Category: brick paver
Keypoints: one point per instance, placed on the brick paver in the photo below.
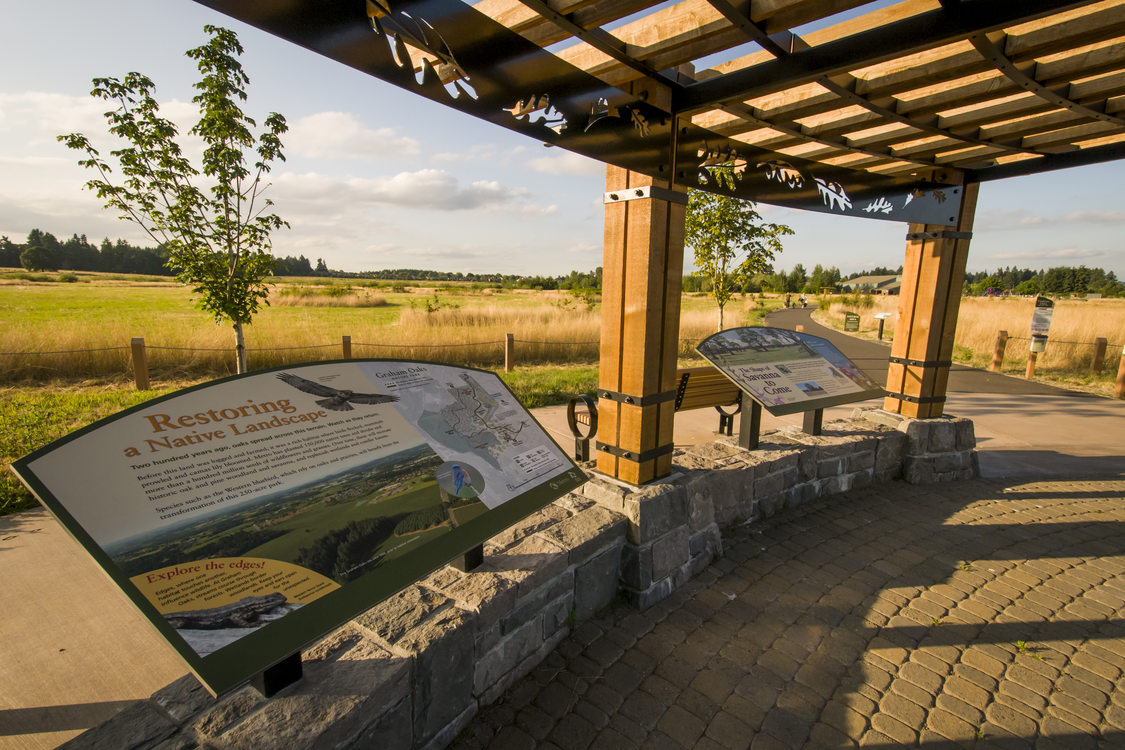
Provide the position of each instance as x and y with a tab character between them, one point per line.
975	614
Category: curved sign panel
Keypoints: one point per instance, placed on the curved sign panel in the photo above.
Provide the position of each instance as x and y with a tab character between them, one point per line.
786	371
251	515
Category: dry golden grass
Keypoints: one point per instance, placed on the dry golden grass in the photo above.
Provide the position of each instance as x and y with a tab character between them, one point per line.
1075	326
78	331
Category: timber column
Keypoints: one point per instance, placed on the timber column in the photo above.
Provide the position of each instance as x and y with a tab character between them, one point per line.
641	283
932	276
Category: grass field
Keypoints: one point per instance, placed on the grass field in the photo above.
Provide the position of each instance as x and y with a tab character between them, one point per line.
1075	325
89	322
75	331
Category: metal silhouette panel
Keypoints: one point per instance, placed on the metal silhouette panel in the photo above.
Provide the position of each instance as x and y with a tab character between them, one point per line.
448	51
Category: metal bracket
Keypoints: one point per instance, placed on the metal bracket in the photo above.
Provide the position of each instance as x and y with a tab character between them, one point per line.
916	399
944	234
649	400
920	363
649	191
641	457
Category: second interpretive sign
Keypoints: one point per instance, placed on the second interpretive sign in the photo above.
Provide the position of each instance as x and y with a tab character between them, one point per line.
786	371
251	515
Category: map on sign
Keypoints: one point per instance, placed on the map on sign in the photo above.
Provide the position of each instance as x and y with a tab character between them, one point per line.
249	516
484	427
786	371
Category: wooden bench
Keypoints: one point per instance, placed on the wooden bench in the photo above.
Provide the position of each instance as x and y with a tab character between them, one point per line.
696	388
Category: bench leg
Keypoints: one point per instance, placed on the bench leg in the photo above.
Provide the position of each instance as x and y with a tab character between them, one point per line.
581	449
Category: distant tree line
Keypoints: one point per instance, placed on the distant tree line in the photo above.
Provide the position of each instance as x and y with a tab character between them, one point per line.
1059	280
43	251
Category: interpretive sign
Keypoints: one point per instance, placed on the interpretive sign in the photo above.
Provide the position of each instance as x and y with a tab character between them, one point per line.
786	371
249	516
851	321
1041	317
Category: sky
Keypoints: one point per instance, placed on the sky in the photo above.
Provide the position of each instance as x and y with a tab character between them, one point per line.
376	177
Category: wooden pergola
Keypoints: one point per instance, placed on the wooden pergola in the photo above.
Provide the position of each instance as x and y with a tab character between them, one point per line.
871	109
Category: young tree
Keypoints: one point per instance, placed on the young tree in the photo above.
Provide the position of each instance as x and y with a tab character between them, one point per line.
730	242
217	236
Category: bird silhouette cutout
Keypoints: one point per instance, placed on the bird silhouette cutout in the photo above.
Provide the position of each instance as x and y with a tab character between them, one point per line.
337	399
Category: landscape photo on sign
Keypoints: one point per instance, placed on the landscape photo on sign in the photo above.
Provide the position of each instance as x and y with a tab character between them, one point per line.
233	506
786	371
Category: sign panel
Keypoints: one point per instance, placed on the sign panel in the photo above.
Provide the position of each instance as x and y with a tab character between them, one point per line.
1041	317
785	371
851	321
249	516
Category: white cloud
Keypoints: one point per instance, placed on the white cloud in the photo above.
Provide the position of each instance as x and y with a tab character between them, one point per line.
339	135
433	189
1063	253
1096	217
567	163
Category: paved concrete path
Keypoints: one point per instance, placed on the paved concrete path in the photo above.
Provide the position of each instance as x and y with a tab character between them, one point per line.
980	614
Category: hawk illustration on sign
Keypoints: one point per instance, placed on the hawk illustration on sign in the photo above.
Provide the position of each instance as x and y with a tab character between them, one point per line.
337	399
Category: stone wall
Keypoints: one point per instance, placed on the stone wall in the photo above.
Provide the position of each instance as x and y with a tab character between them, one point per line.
412	671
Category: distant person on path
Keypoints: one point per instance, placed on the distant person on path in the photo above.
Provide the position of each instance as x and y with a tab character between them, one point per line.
804	301
788	299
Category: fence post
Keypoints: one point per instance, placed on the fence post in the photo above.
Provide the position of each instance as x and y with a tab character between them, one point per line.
1119	390
1098	361
140	364
998	352
1031	365
347	342
509	352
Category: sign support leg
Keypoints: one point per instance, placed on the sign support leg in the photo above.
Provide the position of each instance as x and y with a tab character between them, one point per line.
470	560
749	424
813	421
272	680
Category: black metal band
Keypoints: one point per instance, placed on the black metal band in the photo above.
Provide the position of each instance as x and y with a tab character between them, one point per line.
944	234
648	455
916	399
649	191
649	400
919	362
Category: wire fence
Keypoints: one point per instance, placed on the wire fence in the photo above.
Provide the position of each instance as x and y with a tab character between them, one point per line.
144	361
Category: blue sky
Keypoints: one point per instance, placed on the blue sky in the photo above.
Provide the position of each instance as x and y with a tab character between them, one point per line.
377	177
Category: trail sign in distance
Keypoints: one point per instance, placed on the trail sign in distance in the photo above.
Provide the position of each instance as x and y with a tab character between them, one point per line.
851	321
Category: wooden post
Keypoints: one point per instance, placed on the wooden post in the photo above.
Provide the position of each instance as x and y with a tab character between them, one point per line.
881	322
922	348
642	282
347	342
140	364
509	352
1119	389
1098	362
1031	357
998	351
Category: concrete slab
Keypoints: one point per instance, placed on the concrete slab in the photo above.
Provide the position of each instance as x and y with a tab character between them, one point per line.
73	649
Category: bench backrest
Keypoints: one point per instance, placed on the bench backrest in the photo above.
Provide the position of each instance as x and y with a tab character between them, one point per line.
700	387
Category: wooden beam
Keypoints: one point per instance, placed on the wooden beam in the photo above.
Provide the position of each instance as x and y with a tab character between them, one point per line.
641	285
932	276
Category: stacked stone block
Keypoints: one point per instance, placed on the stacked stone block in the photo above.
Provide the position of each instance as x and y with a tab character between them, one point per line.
413	670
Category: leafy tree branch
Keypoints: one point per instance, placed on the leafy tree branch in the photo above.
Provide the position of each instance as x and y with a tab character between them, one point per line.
217	236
